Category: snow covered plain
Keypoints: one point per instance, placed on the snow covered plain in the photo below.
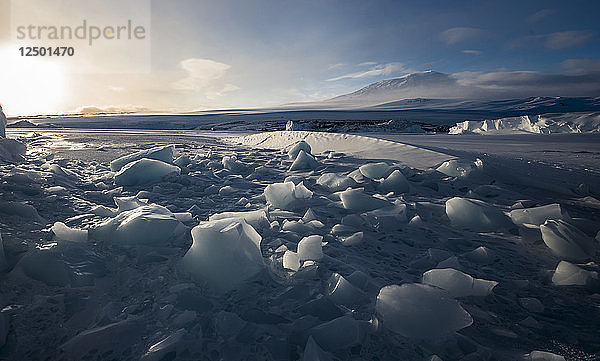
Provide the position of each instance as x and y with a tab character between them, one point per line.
349	247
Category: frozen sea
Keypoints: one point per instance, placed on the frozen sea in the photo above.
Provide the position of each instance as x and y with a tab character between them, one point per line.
109	293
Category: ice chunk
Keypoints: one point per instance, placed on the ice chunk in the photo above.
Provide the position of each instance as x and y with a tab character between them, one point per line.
457	283
291	261
538	215
65	233
375	170
567	241
224	256
159	350
387	218
336	182
310	248
354	239
309	216
232	164
3	123
162	153
342	292
358	200
420	311
297	147
480	255
304	161
128	203
257	219
144	171
568	274
19	209
312	351
338	333
228	324
416	221
150	224
543	356
287	196
297	227
396	182
43	265
476	215
531	304
112	339
11	150
459	168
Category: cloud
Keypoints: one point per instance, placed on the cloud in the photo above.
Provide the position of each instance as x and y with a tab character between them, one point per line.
581	66
567	39
530	83
457	35
541	15
201	73
376	70
555	41
472	52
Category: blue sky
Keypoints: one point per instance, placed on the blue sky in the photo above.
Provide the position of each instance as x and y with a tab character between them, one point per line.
223	54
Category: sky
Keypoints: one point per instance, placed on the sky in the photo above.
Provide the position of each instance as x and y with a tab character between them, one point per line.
200	55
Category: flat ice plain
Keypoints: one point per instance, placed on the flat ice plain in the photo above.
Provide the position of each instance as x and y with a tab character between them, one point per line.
338	274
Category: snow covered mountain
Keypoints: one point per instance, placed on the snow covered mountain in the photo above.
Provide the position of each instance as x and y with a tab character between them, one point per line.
428	84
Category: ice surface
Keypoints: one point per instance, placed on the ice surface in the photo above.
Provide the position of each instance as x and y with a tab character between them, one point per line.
342	292
162	153
457	283
149	225
396	182
420	311
538	215
310	248
144	171
531	304
295	149
336	182
543	356
566	241
375	170
224	256
228	324
568	274
304	161
476	215
65	233
459	168
287	196
337	334
358	200
3	262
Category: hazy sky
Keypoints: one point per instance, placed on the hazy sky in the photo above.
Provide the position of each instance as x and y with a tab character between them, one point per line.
231	54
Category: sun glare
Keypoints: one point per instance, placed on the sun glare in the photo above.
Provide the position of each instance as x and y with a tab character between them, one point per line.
30	85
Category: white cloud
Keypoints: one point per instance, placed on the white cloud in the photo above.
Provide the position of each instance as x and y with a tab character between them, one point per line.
457	35
581	66
201	73
472	52
567	39
555	41
375	70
